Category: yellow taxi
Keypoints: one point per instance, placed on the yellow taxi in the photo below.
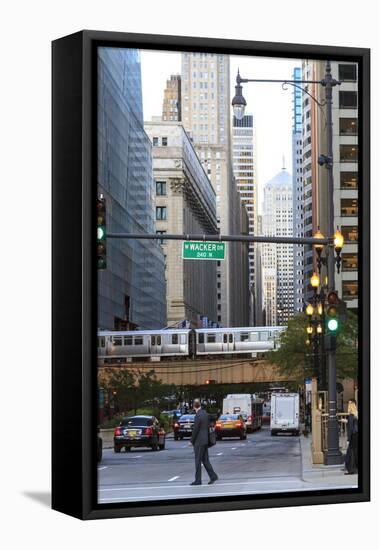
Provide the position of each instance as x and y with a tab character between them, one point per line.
230	425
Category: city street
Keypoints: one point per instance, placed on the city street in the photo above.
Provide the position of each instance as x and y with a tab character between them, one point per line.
260	464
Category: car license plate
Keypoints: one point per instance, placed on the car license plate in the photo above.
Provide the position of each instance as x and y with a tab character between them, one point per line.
131	433
228	425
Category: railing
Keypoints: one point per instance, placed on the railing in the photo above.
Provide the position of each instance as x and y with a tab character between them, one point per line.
342	431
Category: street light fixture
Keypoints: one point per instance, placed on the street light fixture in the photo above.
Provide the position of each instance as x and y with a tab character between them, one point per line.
315	281
309	310
338	244
238	101
319	248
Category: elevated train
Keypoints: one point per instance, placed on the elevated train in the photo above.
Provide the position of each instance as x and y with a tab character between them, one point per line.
116	346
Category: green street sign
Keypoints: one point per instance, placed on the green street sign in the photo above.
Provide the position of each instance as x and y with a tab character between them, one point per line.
200	250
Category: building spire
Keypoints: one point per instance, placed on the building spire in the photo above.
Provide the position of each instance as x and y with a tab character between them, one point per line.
284	163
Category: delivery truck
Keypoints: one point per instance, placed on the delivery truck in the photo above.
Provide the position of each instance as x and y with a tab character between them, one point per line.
247	405
285	413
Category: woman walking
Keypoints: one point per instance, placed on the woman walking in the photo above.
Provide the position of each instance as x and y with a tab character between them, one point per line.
351	457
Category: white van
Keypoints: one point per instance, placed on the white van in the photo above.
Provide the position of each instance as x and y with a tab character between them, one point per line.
285	413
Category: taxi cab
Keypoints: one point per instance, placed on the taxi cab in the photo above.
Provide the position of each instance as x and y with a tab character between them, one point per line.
230	425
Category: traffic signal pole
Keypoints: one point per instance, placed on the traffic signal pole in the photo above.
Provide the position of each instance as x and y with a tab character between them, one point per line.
333	454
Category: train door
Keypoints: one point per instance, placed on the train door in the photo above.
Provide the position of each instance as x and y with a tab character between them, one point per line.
156	344
227	342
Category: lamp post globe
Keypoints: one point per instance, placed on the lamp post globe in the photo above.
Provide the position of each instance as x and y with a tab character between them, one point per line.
238	101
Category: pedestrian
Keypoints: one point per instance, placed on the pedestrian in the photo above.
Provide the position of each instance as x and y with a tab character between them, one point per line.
351	457
200	440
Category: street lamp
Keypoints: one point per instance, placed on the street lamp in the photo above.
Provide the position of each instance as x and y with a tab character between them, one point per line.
319	248
315	281
238	101
338	244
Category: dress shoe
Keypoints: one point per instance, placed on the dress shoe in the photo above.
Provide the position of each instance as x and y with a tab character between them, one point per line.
211	481
196	483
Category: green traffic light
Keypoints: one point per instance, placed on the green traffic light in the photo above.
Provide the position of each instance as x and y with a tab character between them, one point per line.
100	233
332	325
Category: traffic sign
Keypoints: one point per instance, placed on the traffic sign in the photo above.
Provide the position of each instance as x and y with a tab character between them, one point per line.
200	250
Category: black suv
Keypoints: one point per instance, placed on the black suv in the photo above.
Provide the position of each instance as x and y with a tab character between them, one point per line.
139	431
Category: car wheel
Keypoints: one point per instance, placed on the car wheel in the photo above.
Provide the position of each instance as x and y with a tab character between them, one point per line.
181	437
128	449
117	449
273	432
218	438
176	437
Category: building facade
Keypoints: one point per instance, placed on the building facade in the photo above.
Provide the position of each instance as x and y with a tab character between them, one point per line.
277	259
132	290
244	173
172	109
298	194
185	204
345	169
206	117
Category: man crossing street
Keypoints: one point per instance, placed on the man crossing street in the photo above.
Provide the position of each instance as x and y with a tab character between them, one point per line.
200	440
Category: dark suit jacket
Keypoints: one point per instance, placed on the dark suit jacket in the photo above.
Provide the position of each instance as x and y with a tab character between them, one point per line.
200	431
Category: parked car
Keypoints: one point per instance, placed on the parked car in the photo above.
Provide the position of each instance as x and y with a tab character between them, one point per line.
230	425
184	426
139	431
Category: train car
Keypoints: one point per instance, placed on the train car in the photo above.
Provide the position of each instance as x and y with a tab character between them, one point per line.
119	345
239	340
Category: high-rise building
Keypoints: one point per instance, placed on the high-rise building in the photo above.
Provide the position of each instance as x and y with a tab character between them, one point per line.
132	290
172	99
297	194
185	204
345	168
206	117
277	259
244	173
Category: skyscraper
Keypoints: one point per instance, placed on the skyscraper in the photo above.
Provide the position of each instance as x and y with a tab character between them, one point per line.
297	194
172	109
132	291
244	173
277	259
206	117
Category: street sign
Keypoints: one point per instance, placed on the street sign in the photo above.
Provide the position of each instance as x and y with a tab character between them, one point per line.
200	250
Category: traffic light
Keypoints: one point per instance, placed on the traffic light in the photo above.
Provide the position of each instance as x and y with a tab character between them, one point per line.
101	234
332	317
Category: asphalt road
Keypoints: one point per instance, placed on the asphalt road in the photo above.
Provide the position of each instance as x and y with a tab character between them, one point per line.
260	464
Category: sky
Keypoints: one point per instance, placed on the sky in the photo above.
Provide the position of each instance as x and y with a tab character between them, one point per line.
270	105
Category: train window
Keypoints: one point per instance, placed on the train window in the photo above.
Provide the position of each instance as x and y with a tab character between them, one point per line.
101	342
174	339
230	338
183	339
159	340
254	336
117	340
128	341
138	341
225	338
211	338
244	336
153	340
201	338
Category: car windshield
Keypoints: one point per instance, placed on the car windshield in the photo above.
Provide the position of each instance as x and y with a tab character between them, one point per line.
137	421
187	417
229	417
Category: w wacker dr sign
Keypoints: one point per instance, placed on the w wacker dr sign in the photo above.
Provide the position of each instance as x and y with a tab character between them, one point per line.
198	250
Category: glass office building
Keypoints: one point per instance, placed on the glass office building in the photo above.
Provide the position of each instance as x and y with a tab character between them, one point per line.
132	290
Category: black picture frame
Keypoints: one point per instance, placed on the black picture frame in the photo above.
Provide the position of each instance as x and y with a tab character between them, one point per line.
74	402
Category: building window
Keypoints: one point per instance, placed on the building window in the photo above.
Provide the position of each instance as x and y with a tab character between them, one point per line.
160	188
161	213
347	72
348	100
348	153
349	207
349	180
349	290
155	141
164	142
348	126
349	262
161	241
350	232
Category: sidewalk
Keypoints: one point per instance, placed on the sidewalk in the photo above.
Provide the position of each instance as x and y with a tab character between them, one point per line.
314	473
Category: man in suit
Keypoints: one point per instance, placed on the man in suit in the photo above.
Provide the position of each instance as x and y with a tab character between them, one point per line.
199	440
